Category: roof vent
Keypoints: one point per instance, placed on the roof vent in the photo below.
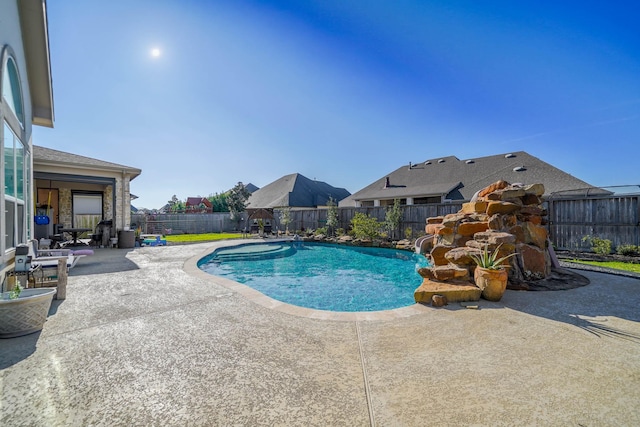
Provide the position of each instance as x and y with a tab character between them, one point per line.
470	161
441	161
509	156
428	162
519	169
410	165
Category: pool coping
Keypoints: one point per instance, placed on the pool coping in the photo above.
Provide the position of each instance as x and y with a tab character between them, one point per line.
191	267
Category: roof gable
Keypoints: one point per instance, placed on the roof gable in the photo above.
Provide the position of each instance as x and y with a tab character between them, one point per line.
196	201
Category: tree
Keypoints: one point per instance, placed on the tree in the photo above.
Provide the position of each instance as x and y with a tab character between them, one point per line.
219	202
285	218
332	216
179	207
364	226
237	201
175	205
392	218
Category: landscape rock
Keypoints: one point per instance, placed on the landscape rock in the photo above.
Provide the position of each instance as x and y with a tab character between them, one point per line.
474	207
438	254
471	228
499	185
501	208
438	301
454	291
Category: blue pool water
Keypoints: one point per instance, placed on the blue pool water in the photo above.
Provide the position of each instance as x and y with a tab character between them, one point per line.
322	276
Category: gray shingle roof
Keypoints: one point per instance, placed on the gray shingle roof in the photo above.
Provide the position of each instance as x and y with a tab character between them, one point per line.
251	188
48	155
459	179
295	190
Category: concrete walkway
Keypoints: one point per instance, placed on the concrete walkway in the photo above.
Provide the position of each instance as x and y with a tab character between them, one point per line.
142	340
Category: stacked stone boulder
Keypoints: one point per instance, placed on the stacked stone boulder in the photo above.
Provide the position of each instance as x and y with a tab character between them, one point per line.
502	215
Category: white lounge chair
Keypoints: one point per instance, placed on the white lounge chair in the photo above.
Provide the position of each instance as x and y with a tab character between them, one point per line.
48	258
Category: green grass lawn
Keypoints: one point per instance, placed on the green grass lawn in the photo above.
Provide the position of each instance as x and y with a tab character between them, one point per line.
616	265
206	237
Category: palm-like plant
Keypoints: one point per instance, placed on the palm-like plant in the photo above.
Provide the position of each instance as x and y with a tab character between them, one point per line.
490	261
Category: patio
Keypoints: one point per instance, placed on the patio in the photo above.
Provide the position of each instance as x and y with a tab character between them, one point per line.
143	340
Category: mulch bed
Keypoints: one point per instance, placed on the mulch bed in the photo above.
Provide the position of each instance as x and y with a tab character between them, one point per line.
560	279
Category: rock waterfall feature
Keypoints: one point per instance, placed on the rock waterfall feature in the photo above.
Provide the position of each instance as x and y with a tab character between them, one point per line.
503	216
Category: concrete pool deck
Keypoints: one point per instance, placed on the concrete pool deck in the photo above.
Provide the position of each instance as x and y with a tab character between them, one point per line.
142	339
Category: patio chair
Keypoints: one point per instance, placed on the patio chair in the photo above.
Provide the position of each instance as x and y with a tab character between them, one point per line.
48	258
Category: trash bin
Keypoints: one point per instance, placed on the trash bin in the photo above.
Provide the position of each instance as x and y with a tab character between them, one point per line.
126	238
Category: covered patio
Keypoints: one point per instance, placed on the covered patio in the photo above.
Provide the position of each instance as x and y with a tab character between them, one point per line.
76	193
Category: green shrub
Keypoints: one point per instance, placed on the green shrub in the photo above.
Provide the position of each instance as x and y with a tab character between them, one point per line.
628	250
598	245
321	230
408	233
364	226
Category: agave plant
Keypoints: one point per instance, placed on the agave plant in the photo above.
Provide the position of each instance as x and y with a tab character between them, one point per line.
490	261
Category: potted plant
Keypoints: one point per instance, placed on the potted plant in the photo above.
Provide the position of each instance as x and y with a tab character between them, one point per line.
24	311
490	274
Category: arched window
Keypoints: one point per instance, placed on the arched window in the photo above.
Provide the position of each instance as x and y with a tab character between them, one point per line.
11	91
15	159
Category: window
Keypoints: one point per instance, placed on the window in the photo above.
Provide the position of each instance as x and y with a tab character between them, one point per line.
11	92
390	202
13	154
87	210
427	200
15	157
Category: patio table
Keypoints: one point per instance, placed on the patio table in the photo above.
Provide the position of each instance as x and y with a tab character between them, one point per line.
74	232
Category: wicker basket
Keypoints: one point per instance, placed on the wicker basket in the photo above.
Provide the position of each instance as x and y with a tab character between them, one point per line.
26	314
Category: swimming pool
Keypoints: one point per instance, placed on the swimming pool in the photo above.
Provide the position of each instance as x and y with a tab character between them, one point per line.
322	276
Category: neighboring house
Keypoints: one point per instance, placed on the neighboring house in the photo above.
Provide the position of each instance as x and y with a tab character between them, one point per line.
198	205
295	190
451	179
78	191
26	99
251	188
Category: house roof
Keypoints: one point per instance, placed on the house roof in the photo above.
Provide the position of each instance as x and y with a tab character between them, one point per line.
295	190
457	179
49	156
251	188
35	37
195	201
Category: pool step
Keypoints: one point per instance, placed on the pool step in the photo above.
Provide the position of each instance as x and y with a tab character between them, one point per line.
254	252
454	291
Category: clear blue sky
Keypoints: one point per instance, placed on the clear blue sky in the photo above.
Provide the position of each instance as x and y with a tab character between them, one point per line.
341	91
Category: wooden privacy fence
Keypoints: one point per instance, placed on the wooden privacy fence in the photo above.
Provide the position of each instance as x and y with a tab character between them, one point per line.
413	217
180	223
616	218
